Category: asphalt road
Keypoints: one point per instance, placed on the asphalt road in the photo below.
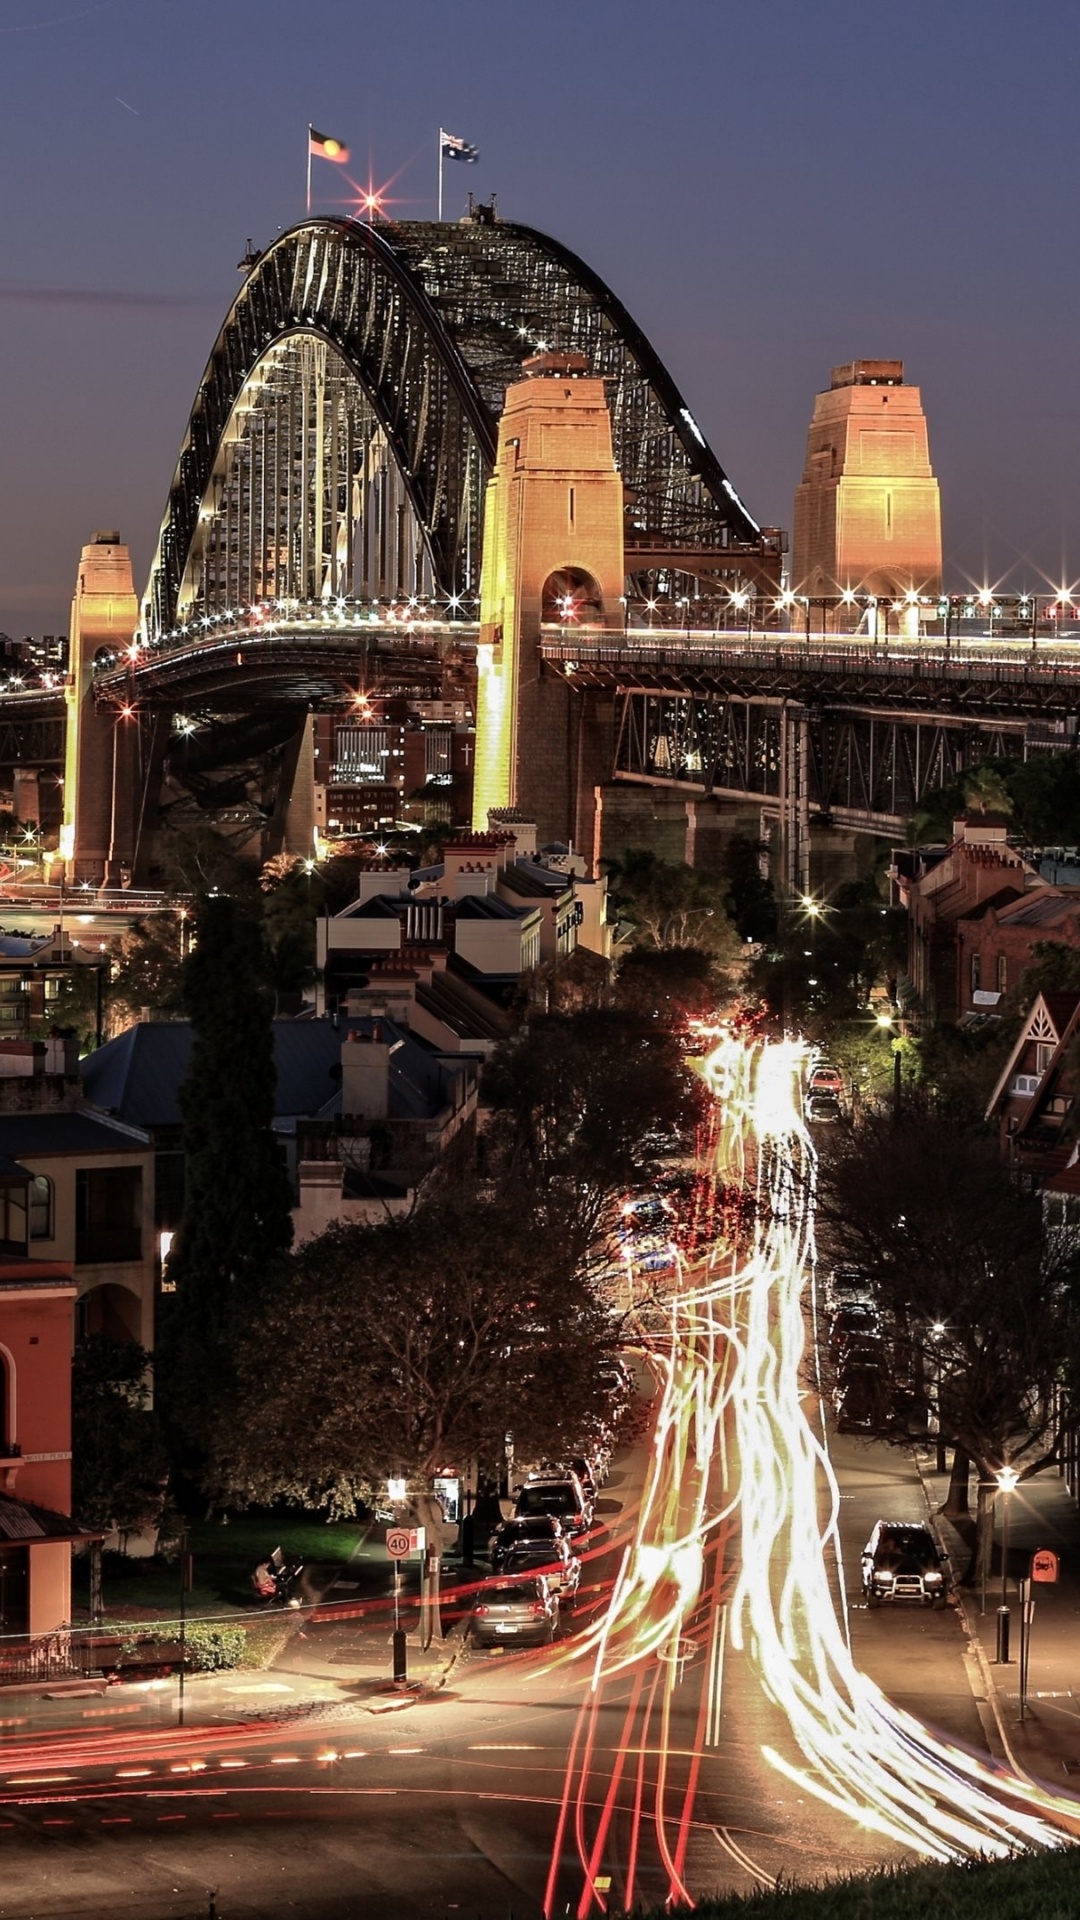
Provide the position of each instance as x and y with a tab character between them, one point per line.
628	1764
453	1802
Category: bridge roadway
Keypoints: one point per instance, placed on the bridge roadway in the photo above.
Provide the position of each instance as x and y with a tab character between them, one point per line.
312	652
697	708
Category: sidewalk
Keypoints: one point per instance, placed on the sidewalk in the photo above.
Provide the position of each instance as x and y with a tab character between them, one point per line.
1042	1513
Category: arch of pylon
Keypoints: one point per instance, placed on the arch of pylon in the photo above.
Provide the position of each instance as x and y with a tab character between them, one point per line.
345	425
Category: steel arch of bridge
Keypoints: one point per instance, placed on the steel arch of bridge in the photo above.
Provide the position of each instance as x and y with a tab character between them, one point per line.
431	322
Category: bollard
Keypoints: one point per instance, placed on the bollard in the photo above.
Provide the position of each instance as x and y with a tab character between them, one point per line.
401	1658
1003	1636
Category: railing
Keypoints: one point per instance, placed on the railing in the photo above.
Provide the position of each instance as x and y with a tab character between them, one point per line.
910	660
52	1656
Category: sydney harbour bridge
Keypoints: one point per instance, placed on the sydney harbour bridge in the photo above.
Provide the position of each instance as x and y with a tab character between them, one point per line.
323	540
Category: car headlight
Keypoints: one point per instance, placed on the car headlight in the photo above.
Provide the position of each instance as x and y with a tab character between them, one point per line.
884	1576
933	1579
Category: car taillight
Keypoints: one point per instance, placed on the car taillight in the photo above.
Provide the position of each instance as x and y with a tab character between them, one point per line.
537	1607
481	1609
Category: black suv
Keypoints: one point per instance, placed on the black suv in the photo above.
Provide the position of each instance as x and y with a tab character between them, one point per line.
901	1561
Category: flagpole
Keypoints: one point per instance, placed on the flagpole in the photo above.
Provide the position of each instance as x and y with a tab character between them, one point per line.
308	203
442	137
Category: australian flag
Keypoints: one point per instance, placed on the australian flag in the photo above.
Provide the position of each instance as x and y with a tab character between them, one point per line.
455	149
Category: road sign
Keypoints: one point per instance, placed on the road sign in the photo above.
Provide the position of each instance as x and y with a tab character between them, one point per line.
401	1541
1044	1566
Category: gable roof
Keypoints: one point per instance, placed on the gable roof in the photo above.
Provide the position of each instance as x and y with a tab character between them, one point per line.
1052	1020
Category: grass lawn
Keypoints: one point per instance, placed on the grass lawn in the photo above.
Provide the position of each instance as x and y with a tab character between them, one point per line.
225	1557
1041	1886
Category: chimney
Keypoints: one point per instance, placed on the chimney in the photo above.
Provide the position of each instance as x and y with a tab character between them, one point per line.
365	1076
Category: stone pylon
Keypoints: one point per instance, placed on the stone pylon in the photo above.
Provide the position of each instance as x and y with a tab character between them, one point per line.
553	563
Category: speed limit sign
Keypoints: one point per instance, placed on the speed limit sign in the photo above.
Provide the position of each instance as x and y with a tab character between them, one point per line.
401	1541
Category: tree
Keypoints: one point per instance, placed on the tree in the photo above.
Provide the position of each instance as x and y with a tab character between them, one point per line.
413	1345
671	904
980	1315
579	1101
119	1462
671	984
147	970
749	899
236	1221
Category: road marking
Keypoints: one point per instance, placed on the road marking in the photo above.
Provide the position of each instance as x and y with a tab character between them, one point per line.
38	1779
504	1746
404	1749
134	1773
717	1646
355	1753
262	1686
232	1763
284	1759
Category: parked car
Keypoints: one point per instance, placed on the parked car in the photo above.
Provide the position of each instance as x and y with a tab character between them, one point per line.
525	1611
825	1079
847	1287
562	1495
544	1529
902	1561
859	1321
860	1399
822	1107
553	1559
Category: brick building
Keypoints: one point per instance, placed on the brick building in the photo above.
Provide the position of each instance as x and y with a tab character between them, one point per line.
37	1300
940	887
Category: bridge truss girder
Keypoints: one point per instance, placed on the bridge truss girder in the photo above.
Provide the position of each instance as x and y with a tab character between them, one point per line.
862	768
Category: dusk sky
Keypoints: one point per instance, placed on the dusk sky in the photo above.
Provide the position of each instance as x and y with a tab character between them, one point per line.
770	188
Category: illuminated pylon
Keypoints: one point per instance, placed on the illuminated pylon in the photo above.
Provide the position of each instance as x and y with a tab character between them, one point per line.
553	558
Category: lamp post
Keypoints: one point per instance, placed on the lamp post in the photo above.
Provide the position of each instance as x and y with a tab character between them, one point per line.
1005	1479
887	1023
937	1330
1008	1480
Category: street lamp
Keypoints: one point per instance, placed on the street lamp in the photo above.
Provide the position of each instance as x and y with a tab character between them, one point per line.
887	1024
1008	1480
937	1332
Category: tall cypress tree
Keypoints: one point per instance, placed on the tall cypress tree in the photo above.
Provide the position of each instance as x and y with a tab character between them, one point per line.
236	1220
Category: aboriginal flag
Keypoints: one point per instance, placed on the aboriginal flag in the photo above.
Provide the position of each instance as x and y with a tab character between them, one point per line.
326	147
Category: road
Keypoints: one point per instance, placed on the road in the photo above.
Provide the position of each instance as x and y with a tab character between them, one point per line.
706	1724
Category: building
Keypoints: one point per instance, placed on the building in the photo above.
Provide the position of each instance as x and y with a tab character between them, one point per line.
996	942
393	759
32	973
867	510
339	1145
1036	1091
492	911
942	886
37	1299
91	1197
401	1113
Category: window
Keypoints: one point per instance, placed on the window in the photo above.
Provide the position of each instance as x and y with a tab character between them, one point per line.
108	1214
13	1222
1002	972
976	972
1044	1053
41	1207
7	1408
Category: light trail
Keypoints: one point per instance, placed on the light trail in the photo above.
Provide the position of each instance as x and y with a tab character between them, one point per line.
735	1348
869	1759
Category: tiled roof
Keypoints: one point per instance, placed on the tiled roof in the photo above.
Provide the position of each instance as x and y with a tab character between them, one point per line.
139	1075
26	1135
25	1523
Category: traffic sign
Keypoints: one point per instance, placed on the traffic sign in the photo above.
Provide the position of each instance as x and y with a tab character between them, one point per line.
1044	1566
401	1541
